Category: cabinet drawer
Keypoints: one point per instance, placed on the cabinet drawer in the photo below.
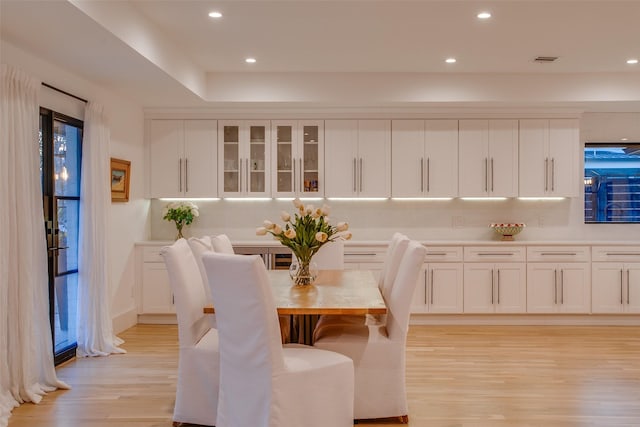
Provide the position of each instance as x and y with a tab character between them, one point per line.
558	253
357	255
616	253
494	254
152	254
443	254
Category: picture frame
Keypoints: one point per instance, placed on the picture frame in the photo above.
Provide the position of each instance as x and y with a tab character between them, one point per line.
120	178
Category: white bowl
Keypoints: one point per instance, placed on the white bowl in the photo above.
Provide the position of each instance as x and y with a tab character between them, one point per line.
507	230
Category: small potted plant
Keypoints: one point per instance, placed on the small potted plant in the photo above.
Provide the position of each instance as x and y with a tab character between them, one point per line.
182	213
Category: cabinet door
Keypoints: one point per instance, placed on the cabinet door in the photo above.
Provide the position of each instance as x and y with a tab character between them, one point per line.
200	153
503	158
607	287
575	288
479	295
256	158
408	158
441	163
374	158
510	288
534	158
633	288
444	288
283	143
156	291
311	155
341	140
542	288
165	157
563	154
419	303
474	158
229	158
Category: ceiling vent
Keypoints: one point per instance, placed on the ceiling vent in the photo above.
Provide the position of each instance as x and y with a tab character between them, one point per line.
545	59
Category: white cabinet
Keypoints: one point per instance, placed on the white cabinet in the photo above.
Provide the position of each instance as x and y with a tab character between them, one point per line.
365	257
440	284
494	279
297	158
182	158
157	297
488	160
424	157
558	279
616	280
549	158
358	158
244	158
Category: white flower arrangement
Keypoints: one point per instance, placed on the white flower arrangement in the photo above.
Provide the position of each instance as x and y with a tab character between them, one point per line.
182	213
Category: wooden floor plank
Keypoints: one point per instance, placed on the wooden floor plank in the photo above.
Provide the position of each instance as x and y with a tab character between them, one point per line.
457	376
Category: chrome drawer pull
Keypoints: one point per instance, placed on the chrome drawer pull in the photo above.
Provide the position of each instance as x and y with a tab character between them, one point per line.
558	253
624	253
496	253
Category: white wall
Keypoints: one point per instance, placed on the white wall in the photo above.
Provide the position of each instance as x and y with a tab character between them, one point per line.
129	220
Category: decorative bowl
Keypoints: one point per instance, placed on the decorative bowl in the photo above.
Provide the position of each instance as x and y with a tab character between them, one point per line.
507	231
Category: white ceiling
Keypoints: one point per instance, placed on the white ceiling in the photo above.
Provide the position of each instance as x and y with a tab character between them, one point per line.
166	53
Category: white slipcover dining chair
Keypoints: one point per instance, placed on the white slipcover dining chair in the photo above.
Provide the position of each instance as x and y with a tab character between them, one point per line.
198	359
262	383
200	245
395	251
330	256
222	244
378	352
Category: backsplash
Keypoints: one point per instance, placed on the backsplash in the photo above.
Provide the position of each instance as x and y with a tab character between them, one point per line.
423	220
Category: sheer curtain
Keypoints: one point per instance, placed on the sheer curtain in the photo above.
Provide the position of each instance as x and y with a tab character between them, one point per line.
26	359
95	330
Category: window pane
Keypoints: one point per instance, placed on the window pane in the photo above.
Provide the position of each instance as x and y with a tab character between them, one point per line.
65	311
612	183
68	217
66	159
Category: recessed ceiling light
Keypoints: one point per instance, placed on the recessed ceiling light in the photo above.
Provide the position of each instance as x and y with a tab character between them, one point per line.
450	60
624	139
215	14
632	61
484	15
250	60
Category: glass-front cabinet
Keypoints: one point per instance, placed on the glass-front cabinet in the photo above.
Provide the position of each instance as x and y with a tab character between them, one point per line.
298	158
244	158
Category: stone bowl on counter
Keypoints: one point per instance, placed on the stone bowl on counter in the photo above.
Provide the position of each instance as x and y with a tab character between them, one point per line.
507	230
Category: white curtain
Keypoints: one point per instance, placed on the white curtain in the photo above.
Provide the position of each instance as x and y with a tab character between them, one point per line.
95	330
26	361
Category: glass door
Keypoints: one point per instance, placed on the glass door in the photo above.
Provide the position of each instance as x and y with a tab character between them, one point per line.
231	158
60	155
284	158
256	163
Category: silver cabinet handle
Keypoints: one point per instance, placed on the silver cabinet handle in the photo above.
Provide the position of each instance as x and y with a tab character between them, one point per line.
428	174
492	286
486	175
301	173
240	176
628	278
555	286
561	286
294	177
492	174
553	174
546	174
436	253
186	175
426	287
498	286
360	254
558	253
422	174
496	253
432	286
361	174
180	175
354	175
621	295
623	253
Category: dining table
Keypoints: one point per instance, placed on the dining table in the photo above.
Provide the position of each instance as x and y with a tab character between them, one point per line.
334	292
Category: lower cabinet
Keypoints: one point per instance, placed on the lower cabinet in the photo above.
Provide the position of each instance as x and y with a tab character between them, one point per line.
495	288
558	288
157	297
616	279
439	289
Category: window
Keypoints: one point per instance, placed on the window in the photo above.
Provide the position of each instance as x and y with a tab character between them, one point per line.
612	183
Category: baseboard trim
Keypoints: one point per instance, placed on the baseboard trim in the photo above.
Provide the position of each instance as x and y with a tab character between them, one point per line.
125	320
526	319
158	319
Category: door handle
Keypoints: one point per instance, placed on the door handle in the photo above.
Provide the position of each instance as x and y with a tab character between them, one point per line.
428	174
628	278
361	174
486	177
555	286
422	174
492	174
621	284
546	174
295	176
562	286
180	174
431	286
354	175
186	175
492	285
553	174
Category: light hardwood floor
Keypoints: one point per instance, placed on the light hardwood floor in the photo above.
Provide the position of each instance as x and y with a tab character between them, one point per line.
457	376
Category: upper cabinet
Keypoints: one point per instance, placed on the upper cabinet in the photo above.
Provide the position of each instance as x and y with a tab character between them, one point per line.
243	152
488	160
182	156
549	158
424	158
358	157
297	158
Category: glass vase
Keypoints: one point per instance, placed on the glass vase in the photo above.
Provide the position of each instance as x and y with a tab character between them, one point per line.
179	235
303	273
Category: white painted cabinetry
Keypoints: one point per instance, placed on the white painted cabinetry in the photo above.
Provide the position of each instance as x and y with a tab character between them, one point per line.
424	158
495	280
297	158
616	279
244	158
549	158
156	294
488	160
358	158
440	284
182	158
558	279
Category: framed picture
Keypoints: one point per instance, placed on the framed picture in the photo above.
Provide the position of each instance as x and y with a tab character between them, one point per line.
120	174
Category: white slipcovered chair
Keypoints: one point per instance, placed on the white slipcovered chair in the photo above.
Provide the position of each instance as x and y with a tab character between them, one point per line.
395	251
330	256
378	352
200	245
198	360
222	244
262	383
